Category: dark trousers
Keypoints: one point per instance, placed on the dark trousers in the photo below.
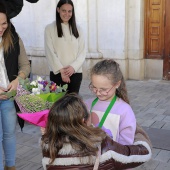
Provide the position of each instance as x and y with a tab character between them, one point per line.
73	86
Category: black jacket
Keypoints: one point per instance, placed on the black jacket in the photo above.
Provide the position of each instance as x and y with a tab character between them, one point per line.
11	58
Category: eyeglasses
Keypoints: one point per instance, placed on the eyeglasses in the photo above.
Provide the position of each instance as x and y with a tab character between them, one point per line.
101	91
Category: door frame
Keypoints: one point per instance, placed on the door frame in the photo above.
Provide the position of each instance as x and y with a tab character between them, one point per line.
166	59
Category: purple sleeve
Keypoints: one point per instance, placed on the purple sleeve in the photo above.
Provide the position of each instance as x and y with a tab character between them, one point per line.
127	127
88	103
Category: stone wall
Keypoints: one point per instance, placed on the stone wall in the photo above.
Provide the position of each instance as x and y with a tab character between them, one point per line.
113	29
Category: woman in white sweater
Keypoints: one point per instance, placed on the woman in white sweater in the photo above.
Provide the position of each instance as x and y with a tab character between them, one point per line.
65	47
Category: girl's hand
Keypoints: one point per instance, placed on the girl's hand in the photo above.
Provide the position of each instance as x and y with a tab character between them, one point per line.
42	130
3	97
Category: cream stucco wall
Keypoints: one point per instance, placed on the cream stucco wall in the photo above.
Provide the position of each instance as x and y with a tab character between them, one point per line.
135	38
112	29
30	24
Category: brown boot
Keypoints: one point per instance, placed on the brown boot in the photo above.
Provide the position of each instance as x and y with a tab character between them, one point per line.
9	168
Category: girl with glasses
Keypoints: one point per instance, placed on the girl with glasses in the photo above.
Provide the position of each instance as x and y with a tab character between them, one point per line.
110	109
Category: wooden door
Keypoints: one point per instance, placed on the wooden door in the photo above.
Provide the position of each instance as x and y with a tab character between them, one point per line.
154	29
166	63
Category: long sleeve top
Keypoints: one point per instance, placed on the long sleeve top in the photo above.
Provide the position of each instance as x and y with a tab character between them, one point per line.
65	50
120	123
4	81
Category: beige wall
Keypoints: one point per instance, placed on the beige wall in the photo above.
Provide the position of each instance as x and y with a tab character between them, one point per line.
153	69
112	29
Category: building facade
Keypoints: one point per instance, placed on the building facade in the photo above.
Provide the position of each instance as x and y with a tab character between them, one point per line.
113	29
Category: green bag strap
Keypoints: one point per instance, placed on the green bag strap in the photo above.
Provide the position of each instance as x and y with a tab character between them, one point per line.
107	110
93	103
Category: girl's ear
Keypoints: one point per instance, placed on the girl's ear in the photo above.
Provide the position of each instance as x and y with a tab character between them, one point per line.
58	10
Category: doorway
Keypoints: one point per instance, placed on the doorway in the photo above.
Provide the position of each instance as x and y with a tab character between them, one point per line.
166	63
157	33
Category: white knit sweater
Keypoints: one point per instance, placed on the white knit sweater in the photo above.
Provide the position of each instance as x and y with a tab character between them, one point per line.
65	50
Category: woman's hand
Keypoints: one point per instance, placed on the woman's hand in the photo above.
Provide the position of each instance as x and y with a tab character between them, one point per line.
64	77
13	85
69	71
3	97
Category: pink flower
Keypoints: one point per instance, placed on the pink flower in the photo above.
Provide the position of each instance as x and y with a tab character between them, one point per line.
53	87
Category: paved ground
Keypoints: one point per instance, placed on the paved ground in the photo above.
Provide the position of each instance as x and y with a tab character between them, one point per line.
150	101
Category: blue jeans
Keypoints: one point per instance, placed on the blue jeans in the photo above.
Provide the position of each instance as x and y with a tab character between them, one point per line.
8	119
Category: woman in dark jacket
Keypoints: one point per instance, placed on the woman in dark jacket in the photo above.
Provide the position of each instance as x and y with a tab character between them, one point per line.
13	8
68	143
13	64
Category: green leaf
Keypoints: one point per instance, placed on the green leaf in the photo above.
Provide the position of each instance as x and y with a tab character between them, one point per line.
51	97
10	94
65	87
47	89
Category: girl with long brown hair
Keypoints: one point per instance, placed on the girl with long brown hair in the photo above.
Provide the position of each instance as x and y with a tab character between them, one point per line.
68	143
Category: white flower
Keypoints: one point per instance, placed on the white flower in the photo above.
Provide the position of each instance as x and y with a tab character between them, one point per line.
40	86
36	91
33	83
39	78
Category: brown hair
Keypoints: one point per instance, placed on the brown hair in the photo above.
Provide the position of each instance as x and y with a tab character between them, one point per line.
111	70
65	123
7	42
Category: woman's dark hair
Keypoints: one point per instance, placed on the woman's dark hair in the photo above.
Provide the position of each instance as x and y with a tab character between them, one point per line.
7	42
72	21
66	123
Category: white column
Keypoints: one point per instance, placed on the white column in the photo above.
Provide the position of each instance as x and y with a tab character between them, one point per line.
93	52
135	38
